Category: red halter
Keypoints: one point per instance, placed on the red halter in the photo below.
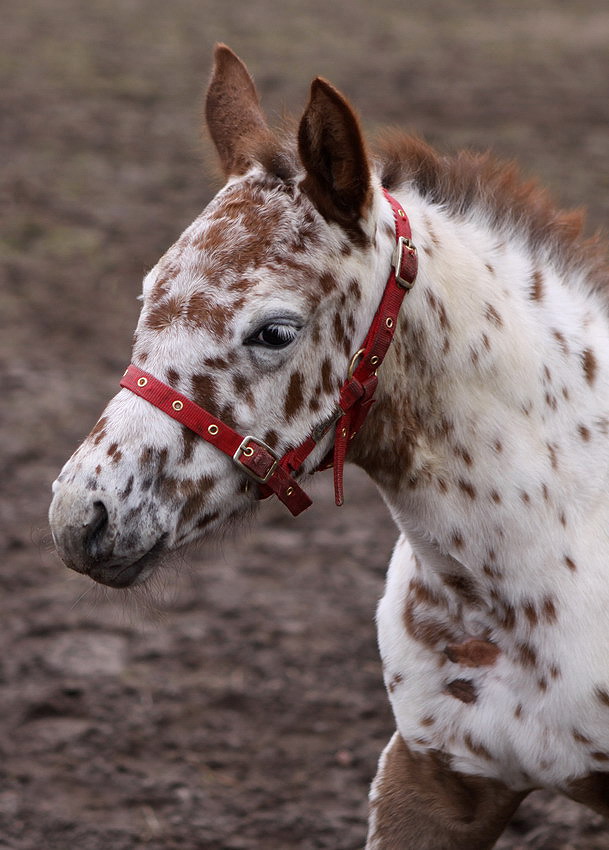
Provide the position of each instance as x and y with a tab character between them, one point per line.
272	473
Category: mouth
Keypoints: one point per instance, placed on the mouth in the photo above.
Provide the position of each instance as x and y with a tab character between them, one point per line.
130	574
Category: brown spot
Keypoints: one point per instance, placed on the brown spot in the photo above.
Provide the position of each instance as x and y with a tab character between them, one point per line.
518	711
339	329
580	737
553	454
493	316
495	497
527	655
294	396
465	456
124	494
114	453
507	617
537	286
600	756
570	563
189	440
584	433
355	290
464	587
98	469
545	492
525	497
462	689
490	268
146	457
428	720
554	671
425	630
195	494
498	446
202	311
548	610
207	519
327	283
560	339
99	431
394	682
422	593
243	389
467	487
271	438
219	362
530	612
590	365
476	748
205	393
326	375
173	378
163	315
473	653
457	539
602	695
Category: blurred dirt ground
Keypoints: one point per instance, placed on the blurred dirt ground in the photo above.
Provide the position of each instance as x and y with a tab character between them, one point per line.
250	714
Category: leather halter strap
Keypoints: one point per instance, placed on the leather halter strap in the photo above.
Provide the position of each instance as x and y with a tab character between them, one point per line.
259	461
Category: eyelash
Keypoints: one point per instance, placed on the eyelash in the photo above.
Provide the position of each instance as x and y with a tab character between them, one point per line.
278	335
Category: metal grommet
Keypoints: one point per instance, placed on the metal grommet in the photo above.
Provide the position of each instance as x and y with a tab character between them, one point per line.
289	491
212	429
343	432
389	322
177	404
374	360
401	213
248	451
141	382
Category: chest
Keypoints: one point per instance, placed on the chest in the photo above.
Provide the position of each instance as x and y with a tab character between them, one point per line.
519	692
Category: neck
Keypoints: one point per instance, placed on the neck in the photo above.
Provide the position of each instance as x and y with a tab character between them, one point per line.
474	395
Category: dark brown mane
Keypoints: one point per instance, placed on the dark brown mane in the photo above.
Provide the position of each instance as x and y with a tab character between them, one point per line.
469	180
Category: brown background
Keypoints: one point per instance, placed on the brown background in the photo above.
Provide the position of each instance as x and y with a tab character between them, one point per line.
251	713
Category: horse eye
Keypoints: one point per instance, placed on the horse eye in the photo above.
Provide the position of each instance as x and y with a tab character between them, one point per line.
274	335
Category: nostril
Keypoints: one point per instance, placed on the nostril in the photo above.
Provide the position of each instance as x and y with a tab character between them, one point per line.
96	529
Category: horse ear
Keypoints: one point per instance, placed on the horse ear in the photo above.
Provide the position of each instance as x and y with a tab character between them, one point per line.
332	150
232	109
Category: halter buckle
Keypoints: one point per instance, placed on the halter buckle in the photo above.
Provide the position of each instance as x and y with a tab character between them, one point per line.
246	450
397	260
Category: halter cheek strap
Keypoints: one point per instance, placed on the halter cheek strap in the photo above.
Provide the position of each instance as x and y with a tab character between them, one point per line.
272	473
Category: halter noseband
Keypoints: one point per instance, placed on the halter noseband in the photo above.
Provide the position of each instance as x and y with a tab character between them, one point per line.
276	474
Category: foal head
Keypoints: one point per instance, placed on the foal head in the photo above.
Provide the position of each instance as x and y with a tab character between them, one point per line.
254	314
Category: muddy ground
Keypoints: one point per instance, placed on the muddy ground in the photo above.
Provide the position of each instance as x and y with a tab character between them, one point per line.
249	712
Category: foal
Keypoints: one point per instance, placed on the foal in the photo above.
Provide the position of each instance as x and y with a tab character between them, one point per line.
488	437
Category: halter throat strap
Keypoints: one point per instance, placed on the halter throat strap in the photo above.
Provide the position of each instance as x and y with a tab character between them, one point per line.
273	474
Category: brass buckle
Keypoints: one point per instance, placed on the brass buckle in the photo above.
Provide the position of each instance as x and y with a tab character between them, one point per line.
396	260
355	361
248	451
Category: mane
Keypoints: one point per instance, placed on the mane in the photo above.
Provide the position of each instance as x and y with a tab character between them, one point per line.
471	181
462	183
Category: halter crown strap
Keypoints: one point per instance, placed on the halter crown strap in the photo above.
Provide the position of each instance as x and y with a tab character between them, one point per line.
356	395
272	473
